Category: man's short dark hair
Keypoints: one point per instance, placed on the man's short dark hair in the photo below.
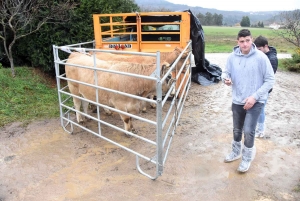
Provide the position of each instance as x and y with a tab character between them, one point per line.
243	33
261	41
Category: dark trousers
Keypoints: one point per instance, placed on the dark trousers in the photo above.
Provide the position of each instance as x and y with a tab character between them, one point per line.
245	120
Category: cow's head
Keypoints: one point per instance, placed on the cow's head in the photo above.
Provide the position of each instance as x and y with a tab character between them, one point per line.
178	66
174	55
169	80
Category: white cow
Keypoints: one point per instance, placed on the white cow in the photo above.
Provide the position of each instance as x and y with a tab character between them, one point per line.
123	83
165	58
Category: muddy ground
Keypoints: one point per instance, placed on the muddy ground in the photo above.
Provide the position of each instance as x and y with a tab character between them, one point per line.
42	162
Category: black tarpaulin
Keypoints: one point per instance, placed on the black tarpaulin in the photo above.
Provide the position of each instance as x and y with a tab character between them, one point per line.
203	72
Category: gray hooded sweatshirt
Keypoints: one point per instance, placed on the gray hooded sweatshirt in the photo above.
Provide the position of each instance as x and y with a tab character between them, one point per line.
251	75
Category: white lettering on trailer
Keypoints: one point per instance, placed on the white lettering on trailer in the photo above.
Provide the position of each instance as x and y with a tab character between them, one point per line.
120	45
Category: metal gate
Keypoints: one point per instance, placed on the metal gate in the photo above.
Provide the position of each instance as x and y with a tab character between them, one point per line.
162	122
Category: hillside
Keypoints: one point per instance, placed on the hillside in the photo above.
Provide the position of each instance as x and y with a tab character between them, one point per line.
229	17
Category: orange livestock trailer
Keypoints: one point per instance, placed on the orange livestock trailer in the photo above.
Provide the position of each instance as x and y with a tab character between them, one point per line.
142	32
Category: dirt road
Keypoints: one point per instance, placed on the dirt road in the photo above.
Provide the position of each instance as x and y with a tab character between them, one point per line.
41	162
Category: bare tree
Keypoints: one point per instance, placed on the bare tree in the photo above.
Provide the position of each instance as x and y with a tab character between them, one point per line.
291	30
20	18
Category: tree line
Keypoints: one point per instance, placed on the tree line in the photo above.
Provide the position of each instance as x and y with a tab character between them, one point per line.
215	19
245	22
210	19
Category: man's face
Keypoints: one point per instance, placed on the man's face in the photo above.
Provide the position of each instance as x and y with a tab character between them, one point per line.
245	44
264	49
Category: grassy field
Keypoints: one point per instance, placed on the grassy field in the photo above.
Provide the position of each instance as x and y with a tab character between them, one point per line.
223	39
26	97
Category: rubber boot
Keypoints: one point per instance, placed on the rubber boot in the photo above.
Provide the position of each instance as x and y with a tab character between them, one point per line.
248	155
236	152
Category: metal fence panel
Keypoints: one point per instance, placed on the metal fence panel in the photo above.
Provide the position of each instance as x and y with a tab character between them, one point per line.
163	122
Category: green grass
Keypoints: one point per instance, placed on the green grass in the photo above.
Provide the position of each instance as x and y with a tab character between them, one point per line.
26	97
223	39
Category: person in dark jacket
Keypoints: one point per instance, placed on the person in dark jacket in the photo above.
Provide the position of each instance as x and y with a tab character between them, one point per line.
262	44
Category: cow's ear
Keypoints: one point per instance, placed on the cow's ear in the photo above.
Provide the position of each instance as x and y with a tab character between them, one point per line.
165	67
166	64
162	70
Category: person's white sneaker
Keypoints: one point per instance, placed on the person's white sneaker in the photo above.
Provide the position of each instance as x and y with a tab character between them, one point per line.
259	134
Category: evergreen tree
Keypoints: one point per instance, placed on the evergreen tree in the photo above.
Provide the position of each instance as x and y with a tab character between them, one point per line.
201	17
245	21
209	18
258	24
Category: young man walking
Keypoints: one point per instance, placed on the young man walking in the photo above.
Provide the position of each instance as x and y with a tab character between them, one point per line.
249	72
263	45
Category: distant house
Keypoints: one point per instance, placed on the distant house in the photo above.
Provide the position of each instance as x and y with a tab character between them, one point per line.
274	26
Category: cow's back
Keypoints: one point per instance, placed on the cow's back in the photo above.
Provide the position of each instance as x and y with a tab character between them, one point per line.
123	83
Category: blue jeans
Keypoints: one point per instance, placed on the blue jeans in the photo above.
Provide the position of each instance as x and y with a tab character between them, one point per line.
245	120
261	119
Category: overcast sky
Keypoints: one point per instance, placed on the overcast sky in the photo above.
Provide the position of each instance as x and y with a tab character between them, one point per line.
238	5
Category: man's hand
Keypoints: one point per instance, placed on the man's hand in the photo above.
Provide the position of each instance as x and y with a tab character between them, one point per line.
249	102
228	82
